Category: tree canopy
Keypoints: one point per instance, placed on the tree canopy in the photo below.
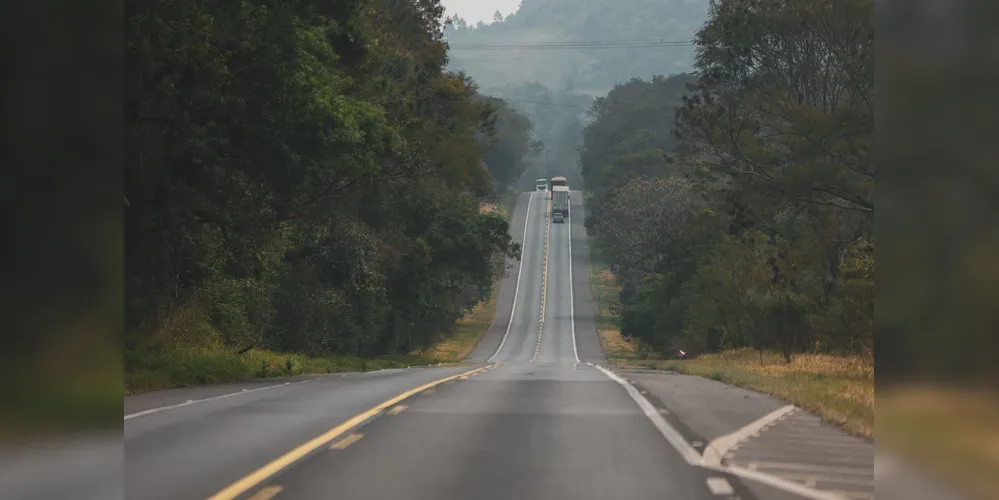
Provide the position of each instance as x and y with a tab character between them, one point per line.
747	220
307	177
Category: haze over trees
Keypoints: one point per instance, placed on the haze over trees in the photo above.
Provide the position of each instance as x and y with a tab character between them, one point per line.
747	222
594	44
307	177
551	58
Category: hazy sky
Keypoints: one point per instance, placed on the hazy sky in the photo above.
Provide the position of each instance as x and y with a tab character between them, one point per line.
474	11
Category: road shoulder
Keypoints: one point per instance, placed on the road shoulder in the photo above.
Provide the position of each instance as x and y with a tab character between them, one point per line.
787	443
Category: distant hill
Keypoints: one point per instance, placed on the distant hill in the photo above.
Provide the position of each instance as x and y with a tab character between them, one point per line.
590	58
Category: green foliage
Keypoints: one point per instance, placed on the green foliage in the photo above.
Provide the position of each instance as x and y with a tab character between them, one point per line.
305	178
507	143
630	133
745	222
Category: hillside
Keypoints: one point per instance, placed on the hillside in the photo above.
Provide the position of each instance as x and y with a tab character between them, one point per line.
552	58
563	43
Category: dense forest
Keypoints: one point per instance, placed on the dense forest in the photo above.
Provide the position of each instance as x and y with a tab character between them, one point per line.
307	177
735	204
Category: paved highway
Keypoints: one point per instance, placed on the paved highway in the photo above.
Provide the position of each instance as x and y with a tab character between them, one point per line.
538	421
531	416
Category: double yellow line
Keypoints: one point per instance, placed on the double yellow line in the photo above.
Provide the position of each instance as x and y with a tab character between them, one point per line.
544	279
262	474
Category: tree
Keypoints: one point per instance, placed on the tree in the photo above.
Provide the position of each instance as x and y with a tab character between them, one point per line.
507	142
304	177
771	145
642	224
786	99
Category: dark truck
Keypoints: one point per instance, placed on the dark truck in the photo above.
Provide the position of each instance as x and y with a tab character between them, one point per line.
560	203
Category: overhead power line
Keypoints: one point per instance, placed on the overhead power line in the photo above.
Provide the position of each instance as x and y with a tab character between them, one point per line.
559	104
575	45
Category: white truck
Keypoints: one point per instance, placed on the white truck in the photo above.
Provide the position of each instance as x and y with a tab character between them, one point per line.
541	185
558	181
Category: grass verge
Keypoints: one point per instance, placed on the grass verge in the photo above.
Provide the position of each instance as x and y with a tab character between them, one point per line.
165	369
467	332
605	290
954	432
840	389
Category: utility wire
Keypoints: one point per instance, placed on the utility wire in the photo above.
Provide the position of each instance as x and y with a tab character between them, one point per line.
575	45
577	106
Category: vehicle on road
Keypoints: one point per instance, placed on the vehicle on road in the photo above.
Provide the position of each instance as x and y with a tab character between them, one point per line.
557	181
558	218
541	185
560	201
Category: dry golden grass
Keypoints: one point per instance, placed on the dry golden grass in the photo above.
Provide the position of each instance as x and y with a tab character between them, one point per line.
468	331
840	389
615	345
952	431
605	291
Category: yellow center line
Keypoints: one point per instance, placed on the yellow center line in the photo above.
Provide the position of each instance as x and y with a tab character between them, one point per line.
544	279
260	475
347	441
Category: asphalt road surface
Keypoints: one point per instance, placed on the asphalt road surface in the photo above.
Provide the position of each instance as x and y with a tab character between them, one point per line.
538	421
532	415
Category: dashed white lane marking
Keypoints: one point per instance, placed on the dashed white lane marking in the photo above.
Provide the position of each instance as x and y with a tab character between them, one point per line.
719	447
196	401
516	288
720	486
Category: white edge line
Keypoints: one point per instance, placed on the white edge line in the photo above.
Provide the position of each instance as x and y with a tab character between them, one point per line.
719	446
195	401
516	288
686	451
572	307
693	458
776	482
